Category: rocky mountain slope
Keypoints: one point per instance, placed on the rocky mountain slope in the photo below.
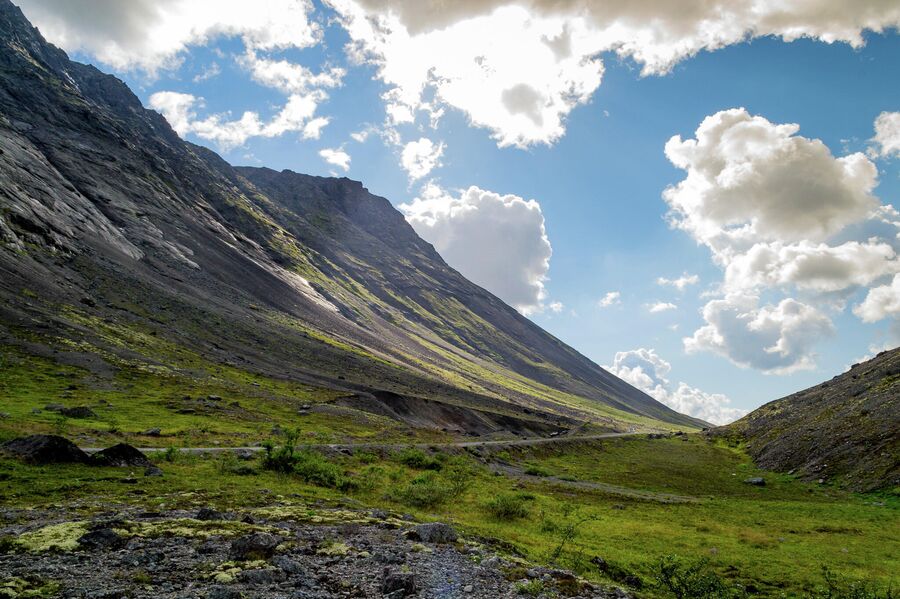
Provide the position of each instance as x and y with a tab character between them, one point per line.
846	430
119	241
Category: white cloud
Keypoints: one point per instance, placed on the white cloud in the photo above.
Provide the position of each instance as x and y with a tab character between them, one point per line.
612	298
887	135
750	180
647	371
519	70
180	110
658	307
210	72
681	282
337	157
556	307
152	34
497	241
313	128
420	157
289	77
779	212
809	266
881	302
776	339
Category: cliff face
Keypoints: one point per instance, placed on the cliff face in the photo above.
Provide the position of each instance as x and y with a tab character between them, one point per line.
106	215
845	430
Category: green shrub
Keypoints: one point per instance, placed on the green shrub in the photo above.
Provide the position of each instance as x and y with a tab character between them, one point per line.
425	490
692	580
840	588
532	588
509	506
313	468
418	459
310	466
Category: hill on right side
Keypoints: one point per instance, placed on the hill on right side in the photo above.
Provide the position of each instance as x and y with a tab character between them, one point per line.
845	431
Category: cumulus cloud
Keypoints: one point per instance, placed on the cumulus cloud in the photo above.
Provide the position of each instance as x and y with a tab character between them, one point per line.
181	112
612	298
752	180
497	241
809	266
881	302
658	307
152	34
680	283
887	135
518	69
337	157
556	307
420	157
778	212
776	339
647	371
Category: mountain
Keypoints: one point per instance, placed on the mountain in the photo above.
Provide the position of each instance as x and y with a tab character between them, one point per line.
120	241
846	430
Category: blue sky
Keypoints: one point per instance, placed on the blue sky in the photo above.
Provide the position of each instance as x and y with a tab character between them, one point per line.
596	181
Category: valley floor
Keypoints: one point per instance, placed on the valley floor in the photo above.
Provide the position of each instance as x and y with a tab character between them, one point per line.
617	512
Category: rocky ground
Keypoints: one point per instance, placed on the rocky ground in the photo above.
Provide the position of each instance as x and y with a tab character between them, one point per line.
284	550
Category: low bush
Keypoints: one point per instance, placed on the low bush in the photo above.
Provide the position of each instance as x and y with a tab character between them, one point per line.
425	490
309	466
837	587
509	506
692	580
418	459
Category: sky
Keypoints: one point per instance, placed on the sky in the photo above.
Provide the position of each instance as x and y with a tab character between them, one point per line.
699	196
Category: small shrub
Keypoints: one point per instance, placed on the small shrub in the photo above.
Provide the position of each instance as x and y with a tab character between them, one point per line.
532	588
691	580
315	469
170	454
418	459
509	506
366	457
425	490
837	587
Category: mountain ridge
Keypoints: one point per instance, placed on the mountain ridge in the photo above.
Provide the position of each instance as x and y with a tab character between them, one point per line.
110	216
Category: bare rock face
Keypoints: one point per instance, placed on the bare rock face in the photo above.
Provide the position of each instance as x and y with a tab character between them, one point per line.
45	449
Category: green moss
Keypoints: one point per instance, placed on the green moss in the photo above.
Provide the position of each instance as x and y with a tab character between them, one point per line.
55	537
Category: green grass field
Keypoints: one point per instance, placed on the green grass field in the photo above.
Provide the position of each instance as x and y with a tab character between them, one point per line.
772	540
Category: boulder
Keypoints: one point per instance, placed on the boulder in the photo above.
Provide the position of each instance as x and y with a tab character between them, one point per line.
78	412
258	545
120	455
102	538
45	449
397	585
208	513
433	532
152	432
756	481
